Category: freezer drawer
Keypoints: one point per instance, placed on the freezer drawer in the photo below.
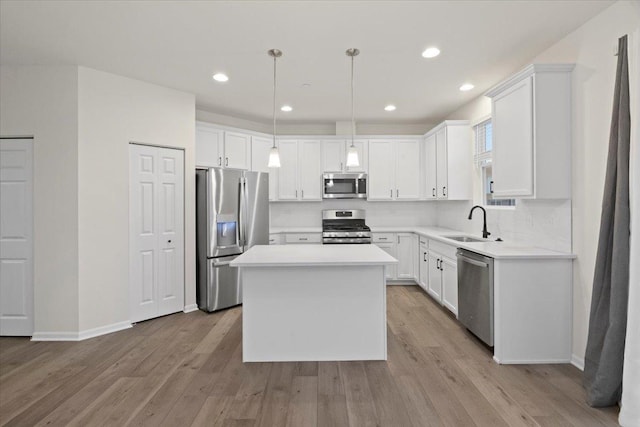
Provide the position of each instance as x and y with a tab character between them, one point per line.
221	287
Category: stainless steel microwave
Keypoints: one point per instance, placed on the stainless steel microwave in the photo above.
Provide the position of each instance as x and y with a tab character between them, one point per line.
344	186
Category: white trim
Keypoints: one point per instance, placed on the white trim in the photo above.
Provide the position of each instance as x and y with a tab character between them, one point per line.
82	335
444	124
531	362
578	362
527	72
190	308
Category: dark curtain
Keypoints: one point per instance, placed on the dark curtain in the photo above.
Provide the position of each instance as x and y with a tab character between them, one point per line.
608	318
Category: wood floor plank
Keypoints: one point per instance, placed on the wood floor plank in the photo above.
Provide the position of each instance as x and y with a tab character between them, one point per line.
332	401
187	369
360	407
303	406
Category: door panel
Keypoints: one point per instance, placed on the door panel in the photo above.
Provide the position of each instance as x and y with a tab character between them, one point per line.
381	170
288	171
442	164
435	277
407	170
310	170
156	231
209	147
390	270
450	285
405	256
333	156
16	285
431	166
236	150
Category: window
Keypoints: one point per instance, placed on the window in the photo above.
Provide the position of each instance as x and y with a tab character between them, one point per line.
484	143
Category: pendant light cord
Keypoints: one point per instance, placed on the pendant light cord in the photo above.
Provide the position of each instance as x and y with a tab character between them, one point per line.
353	123
274	101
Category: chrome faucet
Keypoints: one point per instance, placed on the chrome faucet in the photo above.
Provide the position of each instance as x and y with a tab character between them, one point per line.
485	233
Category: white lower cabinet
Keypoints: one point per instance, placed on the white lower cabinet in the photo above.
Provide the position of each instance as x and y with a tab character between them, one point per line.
423	263
406	256
443	275
275	239
390	248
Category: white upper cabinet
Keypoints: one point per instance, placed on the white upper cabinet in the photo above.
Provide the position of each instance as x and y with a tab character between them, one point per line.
260	148
381	170
407	169
310	169
300	172
431	182
237	150
531	118
394	169
209	146
334	155
219	148
449	161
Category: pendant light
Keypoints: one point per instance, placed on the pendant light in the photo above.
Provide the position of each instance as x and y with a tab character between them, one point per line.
274	155
352	153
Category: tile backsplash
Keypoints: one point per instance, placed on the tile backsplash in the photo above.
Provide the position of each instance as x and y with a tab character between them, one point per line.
540	223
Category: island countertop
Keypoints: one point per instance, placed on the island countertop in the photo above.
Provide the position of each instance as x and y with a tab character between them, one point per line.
313	255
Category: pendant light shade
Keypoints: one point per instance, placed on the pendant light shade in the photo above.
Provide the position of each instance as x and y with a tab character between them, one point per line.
352	153
274	155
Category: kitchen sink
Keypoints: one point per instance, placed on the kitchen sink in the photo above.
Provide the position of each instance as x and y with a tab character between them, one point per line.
466	239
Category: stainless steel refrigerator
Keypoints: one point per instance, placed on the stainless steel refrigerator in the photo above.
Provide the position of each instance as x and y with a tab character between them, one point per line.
232	215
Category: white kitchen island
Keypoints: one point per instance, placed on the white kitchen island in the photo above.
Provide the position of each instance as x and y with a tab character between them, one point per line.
313	302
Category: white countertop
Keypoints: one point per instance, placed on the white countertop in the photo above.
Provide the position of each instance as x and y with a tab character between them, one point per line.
313	255
491	248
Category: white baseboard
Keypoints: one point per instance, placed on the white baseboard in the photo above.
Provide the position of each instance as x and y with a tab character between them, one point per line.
578	362
189	308
82	335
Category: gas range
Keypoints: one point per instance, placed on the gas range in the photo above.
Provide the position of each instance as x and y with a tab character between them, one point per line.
345	226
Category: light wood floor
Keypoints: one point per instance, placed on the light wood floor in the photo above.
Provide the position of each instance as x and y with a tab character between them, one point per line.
186	369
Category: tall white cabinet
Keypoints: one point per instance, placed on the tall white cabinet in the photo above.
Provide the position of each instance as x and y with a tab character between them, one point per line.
394	168
531	118
448	159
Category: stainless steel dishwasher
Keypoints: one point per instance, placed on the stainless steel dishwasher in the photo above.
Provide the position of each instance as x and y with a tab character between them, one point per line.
475	294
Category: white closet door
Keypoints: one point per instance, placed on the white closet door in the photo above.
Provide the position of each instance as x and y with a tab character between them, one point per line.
170	231
156	216
16	237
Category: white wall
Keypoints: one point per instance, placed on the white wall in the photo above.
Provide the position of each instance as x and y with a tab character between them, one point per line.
114	111
43	102
591	48
309	214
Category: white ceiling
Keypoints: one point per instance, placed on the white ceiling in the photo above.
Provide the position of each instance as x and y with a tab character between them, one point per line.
180	44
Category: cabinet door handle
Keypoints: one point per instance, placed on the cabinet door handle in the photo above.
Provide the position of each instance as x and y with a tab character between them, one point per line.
303	238
424	257
491	187
296	194
302	193
441	266
398	239
444	191
391	194
433	192
340	165
382	238
438	263
226	161
219	161
397	193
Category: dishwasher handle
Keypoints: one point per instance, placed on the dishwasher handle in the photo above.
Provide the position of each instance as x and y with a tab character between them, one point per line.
473	261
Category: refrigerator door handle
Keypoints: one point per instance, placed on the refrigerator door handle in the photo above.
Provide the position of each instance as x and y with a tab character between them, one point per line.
242	213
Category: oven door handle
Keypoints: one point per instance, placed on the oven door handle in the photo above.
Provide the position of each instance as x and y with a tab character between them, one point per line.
473	261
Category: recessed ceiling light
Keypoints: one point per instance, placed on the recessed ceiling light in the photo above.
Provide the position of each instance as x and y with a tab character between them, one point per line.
431	52
220	77
390	108
465	87
286	108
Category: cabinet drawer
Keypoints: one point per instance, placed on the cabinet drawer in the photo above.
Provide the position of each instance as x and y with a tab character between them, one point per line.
443	249
275	239
303	238
383	237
